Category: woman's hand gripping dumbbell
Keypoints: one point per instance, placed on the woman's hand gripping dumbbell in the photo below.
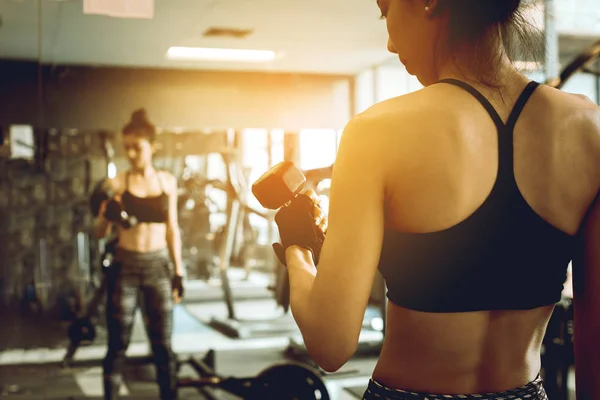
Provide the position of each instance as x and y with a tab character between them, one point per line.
113	210
299	219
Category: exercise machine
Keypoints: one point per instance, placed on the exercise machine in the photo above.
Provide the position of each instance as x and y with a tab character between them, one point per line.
233	326
582	63
283	381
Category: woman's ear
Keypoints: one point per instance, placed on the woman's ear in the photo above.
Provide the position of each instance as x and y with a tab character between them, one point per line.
431	6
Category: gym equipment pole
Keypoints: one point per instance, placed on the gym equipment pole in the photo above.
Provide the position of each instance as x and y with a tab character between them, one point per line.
225	255
598	89
552	61
233	326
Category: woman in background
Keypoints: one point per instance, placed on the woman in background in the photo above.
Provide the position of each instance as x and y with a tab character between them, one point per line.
147	243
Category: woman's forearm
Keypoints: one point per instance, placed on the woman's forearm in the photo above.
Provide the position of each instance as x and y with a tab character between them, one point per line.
101	227
174	245
302	277
301	283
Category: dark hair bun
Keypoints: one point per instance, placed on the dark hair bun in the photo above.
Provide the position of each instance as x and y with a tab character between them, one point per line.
140	125
502	10
139	117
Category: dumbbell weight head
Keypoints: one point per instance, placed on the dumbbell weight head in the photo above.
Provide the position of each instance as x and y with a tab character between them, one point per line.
110	249
128	221
100	194
279	185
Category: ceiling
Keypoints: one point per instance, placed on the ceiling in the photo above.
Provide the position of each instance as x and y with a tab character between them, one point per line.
312	36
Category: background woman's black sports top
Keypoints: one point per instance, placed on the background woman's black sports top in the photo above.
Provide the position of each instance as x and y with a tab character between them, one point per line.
147	209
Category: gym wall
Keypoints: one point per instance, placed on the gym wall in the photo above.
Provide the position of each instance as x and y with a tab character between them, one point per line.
103	98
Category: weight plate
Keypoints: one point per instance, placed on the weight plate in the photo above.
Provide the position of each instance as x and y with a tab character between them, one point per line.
289	381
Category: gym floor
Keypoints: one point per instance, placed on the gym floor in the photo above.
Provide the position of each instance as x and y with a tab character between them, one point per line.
32	351
53	382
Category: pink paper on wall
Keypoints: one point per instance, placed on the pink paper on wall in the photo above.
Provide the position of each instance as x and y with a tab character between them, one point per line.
120	8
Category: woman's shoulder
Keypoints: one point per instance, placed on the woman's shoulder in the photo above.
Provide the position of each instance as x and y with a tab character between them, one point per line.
577	112
415	104
168	178
393	129
401	116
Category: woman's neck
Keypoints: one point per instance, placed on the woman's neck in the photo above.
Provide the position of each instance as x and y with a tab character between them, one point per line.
143	172
486	64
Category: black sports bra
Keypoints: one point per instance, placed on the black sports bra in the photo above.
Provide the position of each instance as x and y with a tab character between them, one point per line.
147	209
502	257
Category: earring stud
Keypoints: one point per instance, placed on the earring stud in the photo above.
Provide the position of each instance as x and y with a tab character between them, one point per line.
426	8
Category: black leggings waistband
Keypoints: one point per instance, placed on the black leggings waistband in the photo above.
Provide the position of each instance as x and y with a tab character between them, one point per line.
534	390
139	257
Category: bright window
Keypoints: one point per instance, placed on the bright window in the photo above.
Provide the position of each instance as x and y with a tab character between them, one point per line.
318	148
255	150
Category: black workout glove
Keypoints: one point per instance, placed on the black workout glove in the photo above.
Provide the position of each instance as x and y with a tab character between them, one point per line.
177	284
297	227
113	211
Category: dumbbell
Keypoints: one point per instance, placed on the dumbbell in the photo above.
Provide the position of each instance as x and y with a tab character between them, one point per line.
279	185
110	248
280	189
114	210
116	213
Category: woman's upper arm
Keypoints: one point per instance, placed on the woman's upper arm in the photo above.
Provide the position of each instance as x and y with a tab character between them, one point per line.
172	191
351	250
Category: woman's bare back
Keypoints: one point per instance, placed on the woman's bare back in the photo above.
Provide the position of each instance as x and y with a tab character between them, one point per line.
454	157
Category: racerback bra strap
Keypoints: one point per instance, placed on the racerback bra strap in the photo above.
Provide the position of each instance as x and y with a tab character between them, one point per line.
506	174
481	98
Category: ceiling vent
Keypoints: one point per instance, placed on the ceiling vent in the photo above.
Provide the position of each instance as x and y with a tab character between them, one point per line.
227	33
